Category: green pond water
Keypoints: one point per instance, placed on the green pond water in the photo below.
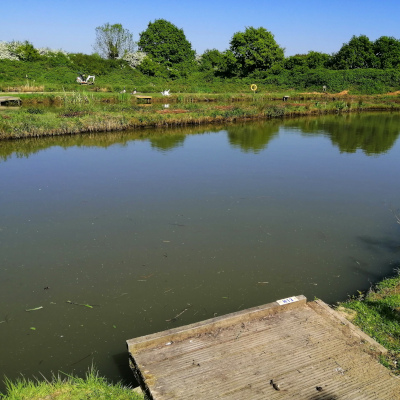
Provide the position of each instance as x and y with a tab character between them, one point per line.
143	225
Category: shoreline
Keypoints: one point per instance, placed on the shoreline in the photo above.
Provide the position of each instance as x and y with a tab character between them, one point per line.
85	113
377	313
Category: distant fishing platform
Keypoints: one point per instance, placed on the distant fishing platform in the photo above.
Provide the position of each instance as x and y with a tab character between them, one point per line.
8	99
146	99
288	349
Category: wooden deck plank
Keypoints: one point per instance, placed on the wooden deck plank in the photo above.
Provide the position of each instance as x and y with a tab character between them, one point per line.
211	326
263	364
258	354
300	346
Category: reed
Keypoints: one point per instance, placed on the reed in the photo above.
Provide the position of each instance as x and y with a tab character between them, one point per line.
24	89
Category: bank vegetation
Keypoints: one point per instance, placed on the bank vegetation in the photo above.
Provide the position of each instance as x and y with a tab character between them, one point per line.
249	80
377	313
81	112
69	387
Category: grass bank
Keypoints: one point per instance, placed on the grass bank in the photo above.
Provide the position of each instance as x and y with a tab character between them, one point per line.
53	74
69	387
80	112
377	313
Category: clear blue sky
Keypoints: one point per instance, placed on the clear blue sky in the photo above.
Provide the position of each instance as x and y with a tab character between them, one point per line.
298	25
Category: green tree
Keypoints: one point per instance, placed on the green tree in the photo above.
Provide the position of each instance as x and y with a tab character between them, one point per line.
221	64
211	60
113	41
27	52
93	64
317	60
311	60
151	68
296	61
255	49
56	58
167	45
387	50
358	53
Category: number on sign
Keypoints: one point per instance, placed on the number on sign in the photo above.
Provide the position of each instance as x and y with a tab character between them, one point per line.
287	300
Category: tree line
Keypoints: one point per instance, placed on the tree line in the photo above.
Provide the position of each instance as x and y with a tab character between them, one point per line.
163	47
163	52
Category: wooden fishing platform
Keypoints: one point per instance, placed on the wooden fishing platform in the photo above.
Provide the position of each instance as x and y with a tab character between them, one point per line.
8	99
146	99
289	349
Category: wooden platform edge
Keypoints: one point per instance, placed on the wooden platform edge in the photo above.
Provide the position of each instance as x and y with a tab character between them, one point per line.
181	333
353	329
5	99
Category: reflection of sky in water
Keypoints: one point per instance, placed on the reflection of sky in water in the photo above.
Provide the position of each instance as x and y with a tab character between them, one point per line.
141	229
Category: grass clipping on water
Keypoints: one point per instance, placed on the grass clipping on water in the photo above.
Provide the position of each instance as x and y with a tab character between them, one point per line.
377	313
69	387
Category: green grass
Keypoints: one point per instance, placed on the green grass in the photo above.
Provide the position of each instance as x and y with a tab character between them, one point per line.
83	111
377	313
115	76
68	387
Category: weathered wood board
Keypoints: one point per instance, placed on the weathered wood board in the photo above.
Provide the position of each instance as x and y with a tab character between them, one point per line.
7	99
297	350
146	99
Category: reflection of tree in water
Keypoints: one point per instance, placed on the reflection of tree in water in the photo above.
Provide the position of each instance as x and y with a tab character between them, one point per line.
374	136
26	147
372	133
253	137
167	142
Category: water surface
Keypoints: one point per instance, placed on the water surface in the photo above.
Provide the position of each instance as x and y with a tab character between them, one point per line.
141	226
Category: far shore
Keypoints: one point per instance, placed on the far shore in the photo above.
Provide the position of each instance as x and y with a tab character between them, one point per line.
88	112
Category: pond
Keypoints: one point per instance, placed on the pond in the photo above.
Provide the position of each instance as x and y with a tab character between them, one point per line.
108	237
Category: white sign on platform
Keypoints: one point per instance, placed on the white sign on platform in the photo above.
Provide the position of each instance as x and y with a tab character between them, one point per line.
287	301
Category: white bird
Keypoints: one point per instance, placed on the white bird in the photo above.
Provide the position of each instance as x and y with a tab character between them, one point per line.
123	91
166	92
